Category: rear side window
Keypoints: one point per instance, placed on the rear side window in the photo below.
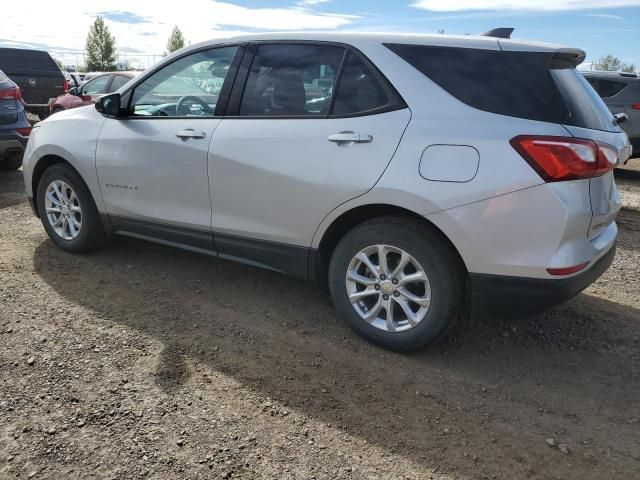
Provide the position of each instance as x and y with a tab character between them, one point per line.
291	80
359	90
609	88
531	85
18	59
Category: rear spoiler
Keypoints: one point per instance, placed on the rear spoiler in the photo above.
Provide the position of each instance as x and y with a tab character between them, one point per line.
567	58
502	32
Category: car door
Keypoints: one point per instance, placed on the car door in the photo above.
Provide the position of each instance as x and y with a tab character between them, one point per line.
152	164
294	145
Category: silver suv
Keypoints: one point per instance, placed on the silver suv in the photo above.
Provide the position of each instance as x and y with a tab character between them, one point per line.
621	93
407	173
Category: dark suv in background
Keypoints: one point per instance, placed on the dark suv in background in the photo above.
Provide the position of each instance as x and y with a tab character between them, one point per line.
14	126
621	93
37	75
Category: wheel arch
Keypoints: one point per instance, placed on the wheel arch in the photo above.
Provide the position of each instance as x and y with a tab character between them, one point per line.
319	261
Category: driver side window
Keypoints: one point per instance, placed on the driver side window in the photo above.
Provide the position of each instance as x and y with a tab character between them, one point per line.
188	87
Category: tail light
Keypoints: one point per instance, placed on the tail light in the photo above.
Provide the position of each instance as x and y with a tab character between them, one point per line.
25	132
65	86
565	158
636	106
12	93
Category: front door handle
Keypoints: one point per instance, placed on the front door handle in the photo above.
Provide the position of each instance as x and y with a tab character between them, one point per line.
190	133
347	138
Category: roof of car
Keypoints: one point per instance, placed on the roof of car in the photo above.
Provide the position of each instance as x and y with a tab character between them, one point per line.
604	73
465	41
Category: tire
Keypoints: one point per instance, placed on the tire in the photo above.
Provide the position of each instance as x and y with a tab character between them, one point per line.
442	295
13	161
91	233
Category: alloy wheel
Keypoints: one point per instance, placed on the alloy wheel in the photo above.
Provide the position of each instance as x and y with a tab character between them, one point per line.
63	210
388	288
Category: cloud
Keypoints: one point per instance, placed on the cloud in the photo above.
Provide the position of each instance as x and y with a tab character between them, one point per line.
145	25
123	17
310	3
602	15
529	5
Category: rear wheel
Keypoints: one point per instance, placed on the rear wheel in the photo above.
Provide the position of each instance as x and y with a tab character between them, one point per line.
13	161
67	210
397	282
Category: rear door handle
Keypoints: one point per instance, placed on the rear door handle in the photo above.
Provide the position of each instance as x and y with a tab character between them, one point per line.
190	133
347	138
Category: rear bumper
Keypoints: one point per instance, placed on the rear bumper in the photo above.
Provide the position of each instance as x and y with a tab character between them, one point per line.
499	295
10	142
38	107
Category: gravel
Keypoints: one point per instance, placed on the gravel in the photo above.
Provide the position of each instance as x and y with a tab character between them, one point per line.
114	366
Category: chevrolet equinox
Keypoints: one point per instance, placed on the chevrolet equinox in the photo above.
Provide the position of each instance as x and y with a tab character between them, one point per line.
412	175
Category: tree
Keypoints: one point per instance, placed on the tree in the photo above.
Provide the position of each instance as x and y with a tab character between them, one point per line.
610	63
176	40
100	48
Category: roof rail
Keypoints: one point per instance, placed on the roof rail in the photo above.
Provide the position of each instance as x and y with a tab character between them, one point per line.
502	32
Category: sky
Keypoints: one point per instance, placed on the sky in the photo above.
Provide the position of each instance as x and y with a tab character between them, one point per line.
142	27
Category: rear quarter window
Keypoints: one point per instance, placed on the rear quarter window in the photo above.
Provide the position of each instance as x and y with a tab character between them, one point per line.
543	86
486	80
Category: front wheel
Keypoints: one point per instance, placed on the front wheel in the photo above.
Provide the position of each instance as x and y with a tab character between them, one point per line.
67	210
397	282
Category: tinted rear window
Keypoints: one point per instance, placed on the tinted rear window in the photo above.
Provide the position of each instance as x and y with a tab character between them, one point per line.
531	85
586	107
18	59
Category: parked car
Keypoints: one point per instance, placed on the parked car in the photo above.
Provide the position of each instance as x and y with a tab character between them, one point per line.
442	167
90	91
621	93
14	126
38	76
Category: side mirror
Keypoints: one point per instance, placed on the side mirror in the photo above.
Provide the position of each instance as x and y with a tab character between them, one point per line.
109	105
620	118
74	91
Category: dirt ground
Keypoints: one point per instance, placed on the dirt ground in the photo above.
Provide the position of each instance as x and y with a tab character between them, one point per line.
140	361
